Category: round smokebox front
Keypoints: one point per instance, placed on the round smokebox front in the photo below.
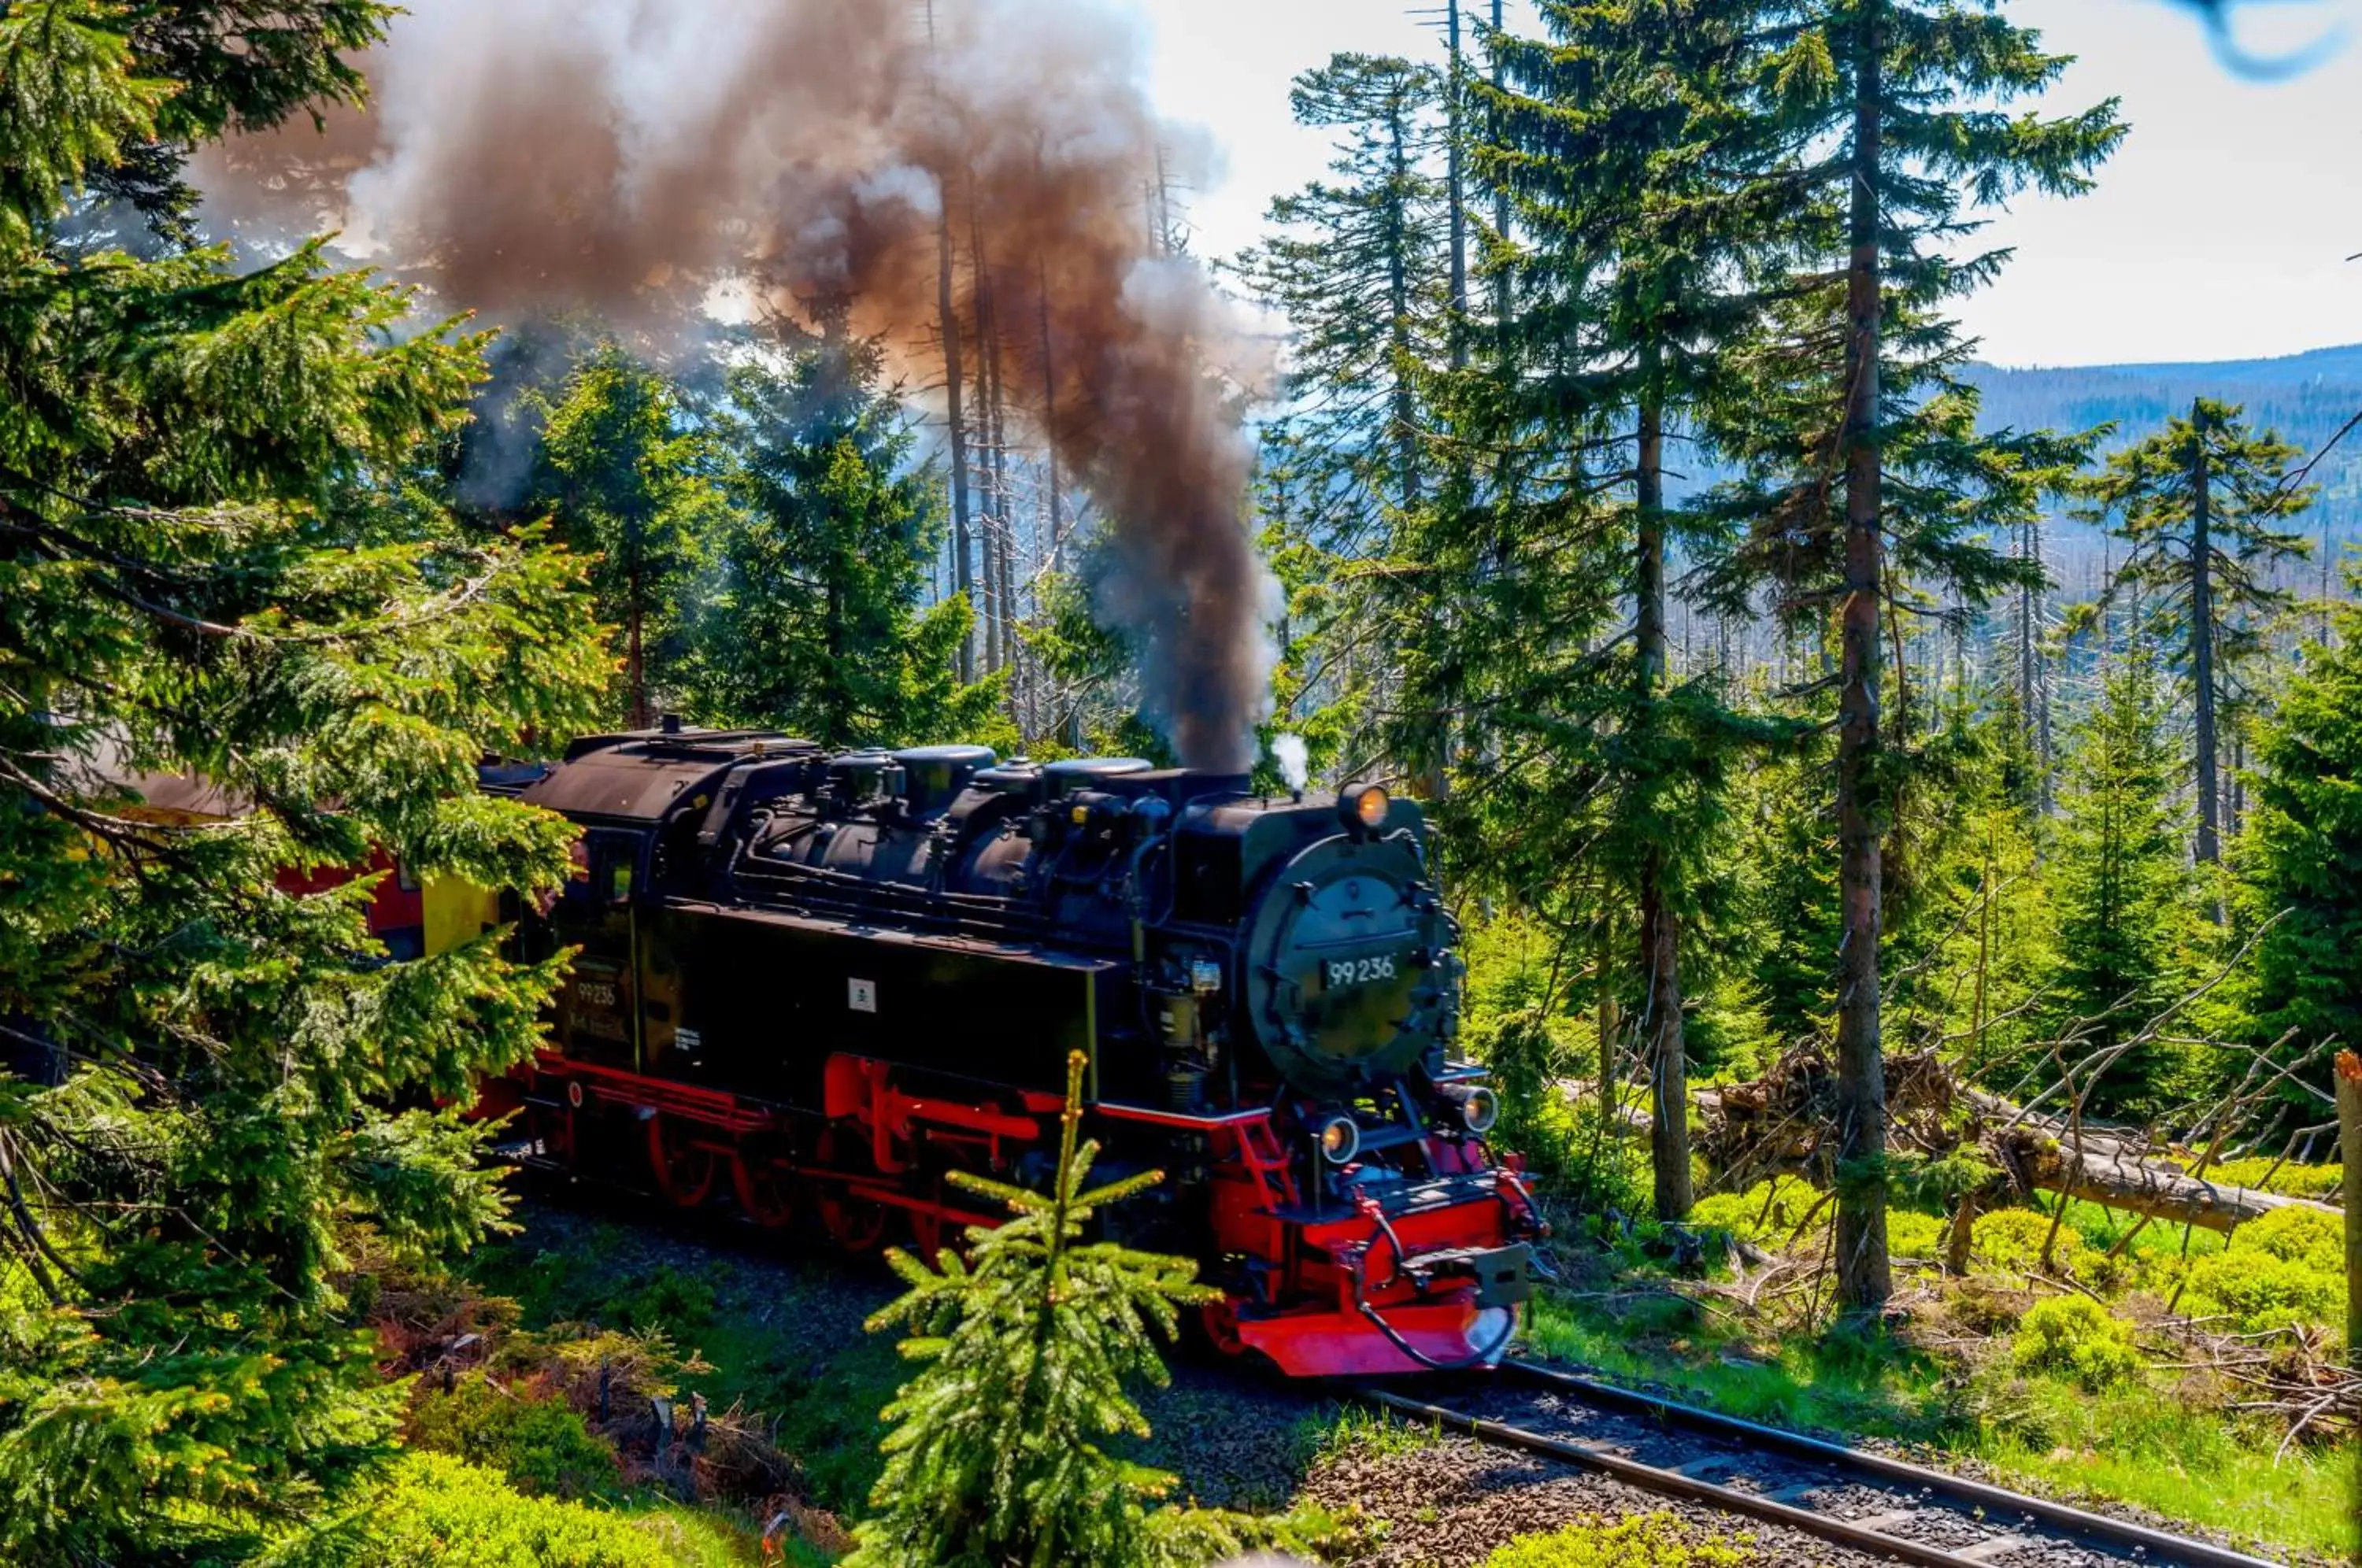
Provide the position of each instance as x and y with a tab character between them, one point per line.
1343	974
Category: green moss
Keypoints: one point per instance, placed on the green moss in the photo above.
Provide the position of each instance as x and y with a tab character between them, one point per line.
2321	1181
1917	1237
1768	1212
439	1511
2009	1241
540	1443
2074	1337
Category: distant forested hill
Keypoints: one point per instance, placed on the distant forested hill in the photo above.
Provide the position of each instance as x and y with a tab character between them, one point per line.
2304	397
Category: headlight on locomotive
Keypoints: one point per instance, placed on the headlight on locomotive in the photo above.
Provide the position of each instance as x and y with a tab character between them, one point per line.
1478	1106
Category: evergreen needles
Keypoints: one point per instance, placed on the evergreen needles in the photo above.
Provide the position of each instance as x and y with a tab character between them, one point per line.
1025	1348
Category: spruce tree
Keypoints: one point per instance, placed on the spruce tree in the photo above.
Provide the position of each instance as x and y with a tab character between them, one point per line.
631	479
1639	189
2199	505
811	622
1863	462
1025	1348
2117	887
1359	267
2303	850
220	556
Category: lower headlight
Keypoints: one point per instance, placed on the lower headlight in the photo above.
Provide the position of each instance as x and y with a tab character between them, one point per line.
1479	1108
1340	1140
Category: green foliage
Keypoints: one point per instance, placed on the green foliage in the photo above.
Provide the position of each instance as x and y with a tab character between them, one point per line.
2305	1236
2284	1270
812	623
2119	889
2199	505
2304	850
1358	264
1516	1020
1359	1428
540	1443
2288	1179
1768	1213
2076	1338
996	1455
1912	1236
1789	848
1642	1540
439	1510
632	481
2010	1241
223	554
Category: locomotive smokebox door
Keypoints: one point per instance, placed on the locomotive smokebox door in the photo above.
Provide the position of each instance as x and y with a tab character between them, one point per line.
1345	982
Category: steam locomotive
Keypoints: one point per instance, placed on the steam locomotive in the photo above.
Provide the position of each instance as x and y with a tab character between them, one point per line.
818	982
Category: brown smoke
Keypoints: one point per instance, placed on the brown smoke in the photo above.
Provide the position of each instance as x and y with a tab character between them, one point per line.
628	155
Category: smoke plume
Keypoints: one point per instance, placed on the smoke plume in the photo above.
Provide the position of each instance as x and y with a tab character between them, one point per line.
631	156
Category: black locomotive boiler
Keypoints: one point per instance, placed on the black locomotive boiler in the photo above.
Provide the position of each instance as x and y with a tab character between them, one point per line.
816	980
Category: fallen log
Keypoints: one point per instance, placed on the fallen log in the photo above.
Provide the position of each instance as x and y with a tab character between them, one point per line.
1779	1121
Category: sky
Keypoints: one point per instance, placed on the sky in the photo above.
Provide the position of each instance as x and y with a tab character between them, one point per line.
2220	230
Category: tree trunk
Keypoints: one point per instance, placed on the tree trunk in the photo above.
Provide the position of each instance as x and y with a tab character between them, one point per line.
635	670
1456	188
1501	300
1004	507
1609	1026
1668	1051
1399	300
2201	642
2350	1124
1050	427
1960	1237
962	545
996	499
1864	1280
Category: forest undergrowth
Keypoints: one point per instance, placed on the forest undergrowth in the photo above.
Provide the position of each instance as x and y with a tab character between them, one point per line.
2121	1371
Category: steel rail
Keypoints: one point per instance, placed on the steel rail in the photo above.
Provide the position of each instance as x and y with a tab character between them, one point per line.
2062	1516
2003	1511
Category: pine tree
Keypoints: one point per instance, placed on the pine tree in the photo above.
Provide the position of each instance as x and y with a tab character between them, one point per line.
1026	1347
1866	471
2117	887
1360	269
2198	503
1639	186
238	67
2303	855
810	624
1789	850
631	481
214	561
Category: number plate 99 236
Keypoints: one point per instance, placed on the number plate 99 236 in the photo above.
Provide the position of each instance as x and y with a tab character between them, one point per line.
1345	973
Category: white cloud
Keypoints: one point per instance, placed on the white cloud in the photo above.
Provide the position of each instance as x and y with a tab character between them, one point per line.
2219	231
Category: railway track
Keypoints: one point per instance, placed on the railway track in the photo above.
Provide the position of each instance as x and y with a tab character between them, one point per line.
1882	1507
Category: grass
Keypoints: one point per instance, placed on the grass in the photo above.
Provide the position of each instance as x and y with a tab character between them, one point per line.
2146	1447
2146	1443
1350	1427
783	1341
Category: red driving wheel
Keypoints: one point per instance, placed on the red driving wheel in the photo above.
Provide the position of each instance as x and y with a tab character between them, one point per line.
1220	1318
686	1166
856	1223
765	1187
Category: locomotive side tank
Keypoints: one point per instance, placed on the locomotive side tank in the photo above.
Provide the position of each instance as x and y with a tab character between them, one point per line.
806	976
